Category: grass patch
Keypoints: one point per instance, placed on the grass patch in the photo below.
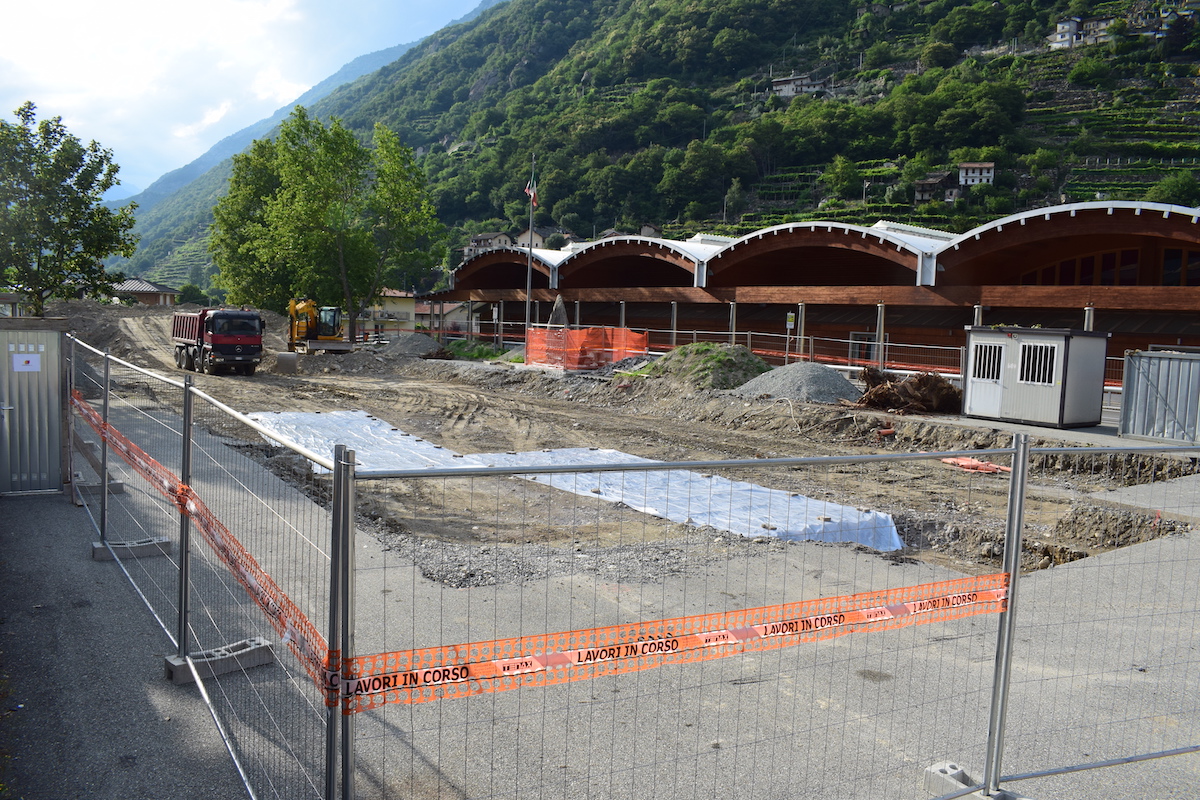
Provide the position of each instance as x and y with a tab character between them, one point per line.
473	351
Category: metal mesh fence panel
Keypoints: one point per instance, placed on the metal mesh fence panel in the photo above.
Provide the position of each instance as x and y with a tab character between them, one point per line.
265	576
1107	657
610	571
257	534
147	411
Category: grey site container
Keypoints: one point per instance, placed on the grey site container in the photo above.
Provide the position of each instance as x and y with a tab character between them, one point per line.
1161	396
1040	376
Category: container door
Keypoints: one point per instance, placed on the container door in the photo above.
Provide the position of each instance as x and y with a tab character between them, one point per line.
30	412
984	371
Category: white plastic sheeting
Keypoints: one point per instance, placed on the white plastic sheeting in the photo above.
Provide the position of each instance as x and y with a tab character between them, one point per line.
678	495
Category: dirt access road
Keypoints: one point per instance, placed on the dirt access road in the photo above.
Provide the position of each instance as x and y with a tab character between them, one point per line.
470	407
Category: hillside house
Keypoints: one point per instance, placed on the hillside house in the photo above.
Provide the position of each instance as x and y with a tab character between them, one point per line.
540	235
935	186
486	241
794	85
146	293
976	172
1078	31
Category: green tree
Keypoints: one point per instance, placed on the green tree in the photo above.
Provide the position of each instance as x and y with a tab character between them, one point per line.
1180	188
1090	71
54	229
191	293
938	54
842	178
318	213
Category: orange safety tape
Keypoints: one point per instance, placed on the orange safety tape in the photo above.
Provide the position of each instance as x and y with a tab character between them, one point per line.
293	627
437	673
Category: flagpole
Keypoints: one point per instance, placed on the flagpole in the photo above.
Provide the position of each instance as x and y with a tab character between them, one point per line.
529	262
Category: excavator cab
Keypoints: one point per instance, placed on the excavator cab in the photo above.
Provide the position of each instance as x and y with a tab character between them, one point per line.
312	327
329	323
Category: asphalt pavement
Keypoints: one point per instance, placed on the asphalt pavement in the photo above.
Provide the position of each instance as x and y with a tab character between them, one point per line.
85	709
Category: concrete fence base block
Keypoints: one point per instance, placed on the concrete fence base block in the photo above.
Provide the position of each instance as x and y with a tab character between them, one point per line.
94	489
144	548
245	654
286	363
947	777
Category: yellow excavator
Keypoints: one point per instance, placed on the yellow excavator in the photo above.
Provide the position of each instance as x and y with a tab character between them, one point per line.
312	328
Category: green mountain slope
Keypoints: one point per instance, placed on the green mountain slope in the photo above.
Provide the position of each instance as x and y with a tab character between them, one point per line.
659	111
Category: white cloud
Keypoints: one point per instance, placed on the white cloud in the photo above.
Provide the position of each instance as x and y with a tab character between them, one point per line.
211	117
159	83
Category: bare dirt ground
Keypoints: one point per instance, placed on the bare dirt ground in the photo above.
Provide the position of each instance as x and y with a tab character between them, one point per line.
471	407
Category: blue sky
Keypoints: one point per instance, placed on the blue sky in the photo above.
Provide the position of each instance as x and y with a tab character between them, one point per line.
159	83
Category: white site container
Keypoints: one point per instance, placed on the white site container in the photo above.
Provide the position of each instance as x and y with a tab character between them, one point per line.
1040	376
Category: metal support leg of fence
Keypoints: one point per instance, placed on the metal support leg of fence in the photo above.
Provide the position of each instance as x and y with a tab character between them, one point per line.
104	454
1004	647
347	609
185	553
75	498
333	666
880	316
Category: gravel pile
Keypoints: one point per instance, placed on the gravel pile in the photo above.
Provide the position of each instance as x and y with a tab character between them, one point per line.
410	344
803	381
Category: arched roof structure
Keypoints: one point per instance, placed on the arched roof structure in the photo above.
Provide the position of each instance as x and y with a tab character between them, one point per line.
635	261
1044	264
1004	249
824	254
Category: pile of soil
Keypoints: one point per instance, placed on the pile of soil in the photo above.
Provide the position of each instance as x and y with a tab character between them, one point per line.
803	382
706	365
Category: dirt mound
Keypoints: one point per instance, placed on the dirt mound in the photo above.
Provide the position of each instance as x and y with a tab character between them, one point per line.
804	382
923	393
706	365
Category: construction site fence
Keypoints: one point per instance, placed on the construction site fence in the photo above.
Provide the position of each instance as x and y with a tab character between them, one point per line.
849	356
586	623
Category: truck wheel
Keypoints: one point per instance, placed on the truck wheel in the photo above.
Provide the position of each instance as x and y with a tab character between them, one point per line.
189	360
202	365
179	358
248	370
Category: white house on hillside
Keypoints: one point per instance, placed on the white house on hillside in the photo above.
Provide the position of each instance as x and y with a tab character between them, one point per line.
793	85
973	173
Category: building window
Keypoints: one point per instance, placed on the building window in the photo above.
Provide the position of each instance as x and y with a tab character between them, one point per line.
1108	269
1172	268
986	364
1193	268
1066	273
1037	363
1087	270
1129	268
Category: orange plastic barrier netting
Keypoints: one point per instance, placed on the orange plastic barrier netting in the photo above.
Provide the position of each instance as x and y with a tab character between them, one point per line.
293	627
582	348
436	673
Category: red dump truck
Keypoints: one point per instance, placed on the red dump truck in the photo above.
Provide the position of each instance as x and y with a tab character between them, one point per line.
216	339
